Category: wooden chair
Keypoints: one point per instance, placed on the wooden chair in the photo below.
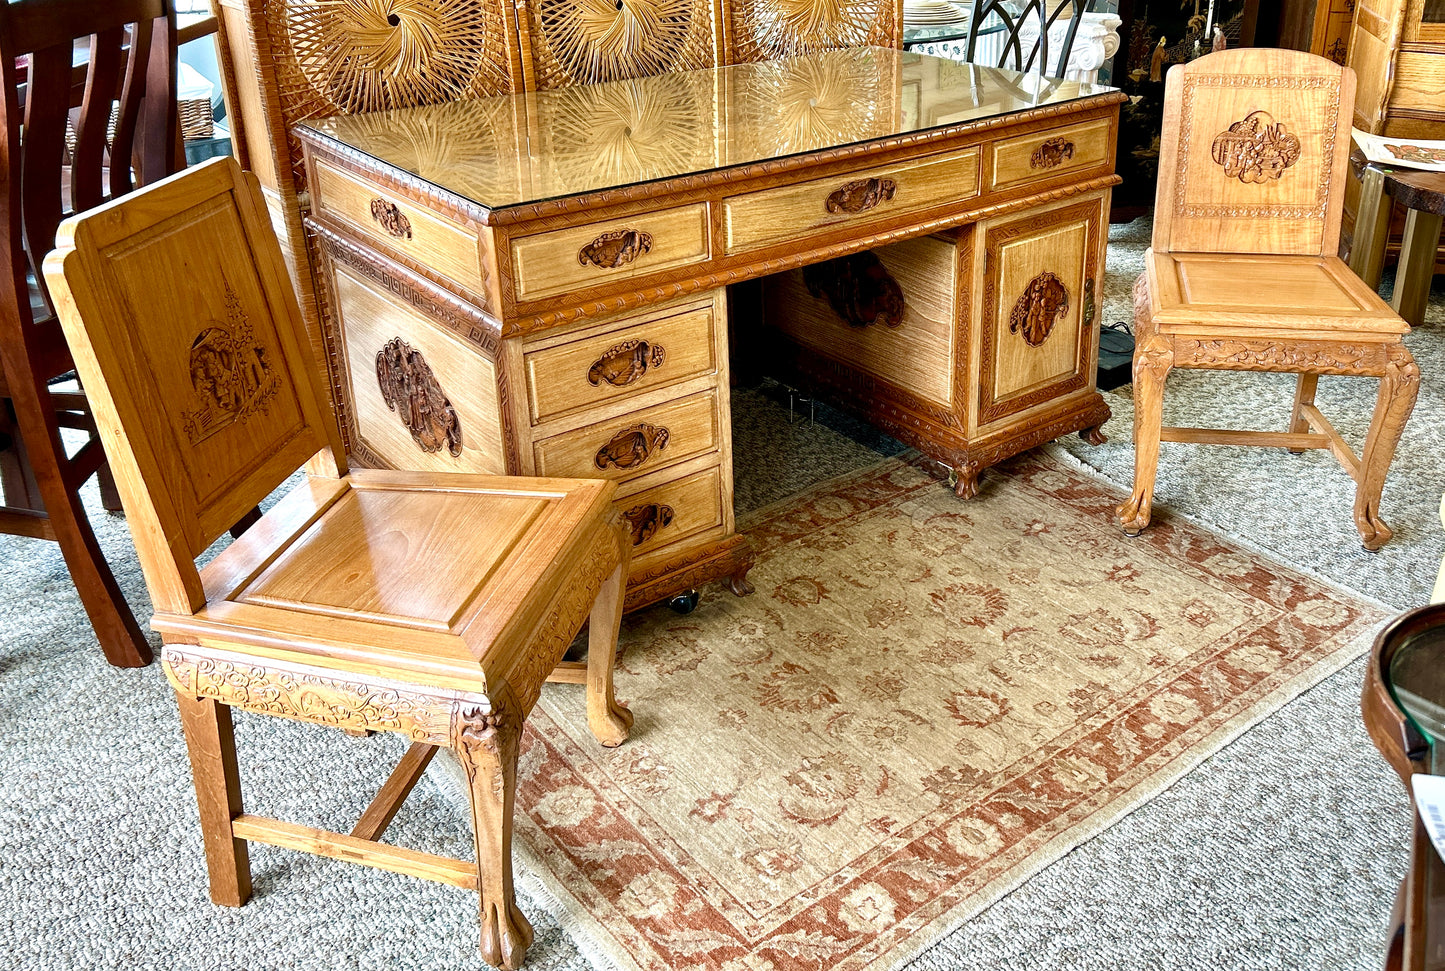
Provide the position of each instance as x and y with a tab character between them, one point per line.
429	604
131	64
1243	273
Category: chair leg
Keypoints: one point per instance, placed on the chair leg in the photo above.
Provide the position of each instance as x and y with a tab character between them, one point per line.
212	747
487	748
1304	394
1152	361
1398	388
608	718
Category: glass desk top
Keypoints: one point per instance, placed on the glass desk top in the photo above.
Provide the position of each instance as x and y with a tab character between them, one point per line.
521	149
1417	680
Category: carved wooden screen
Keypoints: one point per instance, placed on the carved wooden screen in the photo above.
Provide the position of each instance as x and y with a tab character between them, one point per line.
566	42
760	30
1253	154
347	56
188	338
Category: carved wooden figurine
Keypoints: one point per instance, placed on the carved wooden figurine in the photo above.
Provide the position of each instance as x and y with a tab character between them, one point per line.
431	605
1243	274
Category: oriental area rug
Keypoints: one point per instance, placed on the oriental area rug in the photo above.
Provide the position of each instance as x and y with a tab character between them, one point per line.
925	702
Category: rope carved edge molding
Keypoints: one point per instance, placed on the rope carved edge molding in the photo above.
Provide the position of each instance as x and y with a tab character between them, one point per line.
1038	308
617	248
621	364
410	389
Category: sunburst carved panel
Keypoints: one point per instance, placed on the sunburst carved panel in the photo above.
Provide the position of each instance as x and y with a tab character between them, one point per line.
348	56
760	30
570	42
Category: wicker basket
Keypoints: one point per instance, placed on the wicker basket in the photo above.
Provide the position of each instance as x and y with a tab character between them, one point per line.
196	118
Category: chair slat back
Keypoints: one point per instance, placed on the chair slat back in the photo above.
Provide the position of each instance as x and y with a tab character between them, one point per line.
37	95
1253	154
187	336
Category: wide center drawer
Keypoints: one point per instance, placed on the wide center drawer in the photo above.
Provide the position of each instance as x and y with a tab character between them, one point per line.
617	363
600	253
1045	154
424	237
789	212
635	443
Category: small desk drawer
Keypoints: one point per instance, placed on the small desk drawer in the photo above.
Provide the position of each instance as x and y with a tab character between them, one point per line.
599	253
1045	154
664	514
398	224
635	443
618	363
791	212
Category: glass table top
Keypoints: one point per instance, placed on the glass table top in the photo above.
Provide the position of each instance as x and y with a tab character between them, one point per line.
521	149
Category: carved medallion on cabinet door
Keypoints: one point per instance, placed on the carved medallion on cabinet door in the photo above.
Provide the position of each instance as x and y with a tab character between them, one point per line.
419	396
1036	331
410	389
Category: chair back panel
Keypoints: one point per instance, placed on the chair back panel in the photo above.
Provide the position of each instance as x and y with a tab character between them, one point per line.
760	30
131	50
186	332
1253	154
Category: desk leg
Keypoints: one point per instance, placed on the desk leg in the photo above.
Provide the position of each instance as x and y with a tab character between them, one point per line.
1417	265
1372	227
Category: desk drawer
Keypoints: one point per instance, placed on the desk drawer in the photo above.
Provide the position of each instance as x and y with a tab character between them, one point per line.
791	212
399	225
599	253
635	443
1045	154
671	511
615	364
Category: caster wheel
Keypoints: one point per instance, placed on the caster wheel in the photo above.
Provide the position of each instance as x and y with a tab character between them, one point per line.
685	603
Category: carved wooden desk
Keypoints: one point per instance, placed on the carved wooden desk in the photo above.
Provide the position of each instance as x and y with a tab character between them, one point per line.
537	283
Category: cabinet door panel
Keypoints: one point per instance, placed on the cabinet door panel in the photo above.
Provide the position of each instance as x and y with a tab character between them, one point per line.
1038	330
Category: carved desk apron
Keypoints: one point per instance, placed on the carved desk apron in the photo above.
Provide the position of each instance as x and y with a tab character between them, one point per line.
537	284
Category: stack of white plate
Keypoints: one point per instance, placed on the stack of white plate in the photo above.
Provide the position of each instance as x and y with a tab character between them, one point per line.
933	13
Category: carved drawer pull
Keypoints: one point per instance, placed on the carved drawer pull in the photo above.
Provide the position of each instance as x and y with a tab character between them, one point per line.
390	218
646	520
624	363
630	447
860	195
614	249
410	389
1038	308
1052	153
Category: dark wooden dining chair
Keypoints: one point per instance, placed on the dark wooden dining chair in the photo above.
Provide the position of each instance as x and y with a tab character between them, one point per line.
125	72
429	604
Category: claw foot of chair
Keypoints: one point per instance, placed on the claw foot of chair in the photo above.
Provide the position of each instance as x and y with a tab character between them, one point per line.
612	725
1134	514
506	935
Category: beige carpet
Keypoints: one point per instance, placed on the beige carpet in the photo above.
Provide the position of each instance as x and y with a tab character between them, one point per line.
925	702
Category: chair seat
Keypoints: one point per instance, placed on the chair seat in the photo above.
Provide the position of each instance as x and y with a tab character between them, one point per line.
1254	295
424	578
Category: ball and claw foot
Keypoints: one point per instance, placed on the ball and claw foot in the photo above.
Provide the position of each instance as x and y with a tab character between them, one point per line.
1094	435
738	582
685	603
1374	534
614	725
505	939
1134	514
